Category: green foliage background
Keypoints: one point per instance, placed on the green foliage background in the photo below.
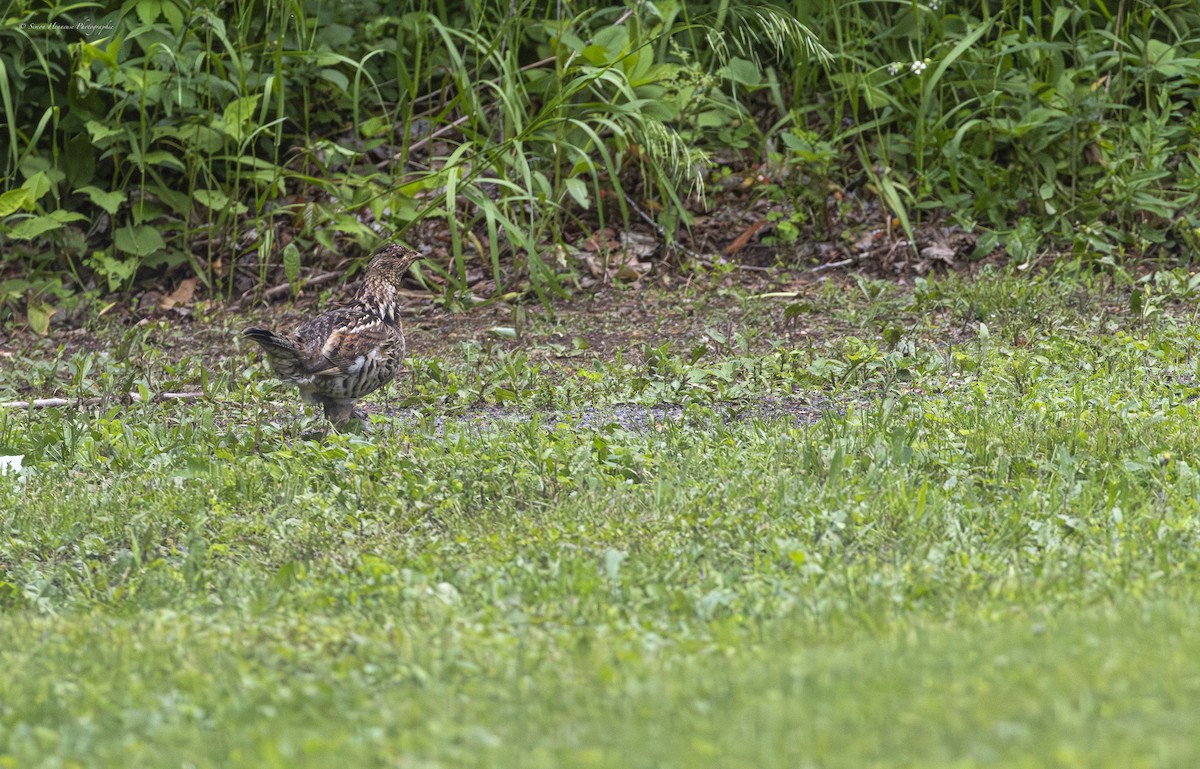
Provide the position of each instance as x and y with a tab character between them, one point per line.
236	136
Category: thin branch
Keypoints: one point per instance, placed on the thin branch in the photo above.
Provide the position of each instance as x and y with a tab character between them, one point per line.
283	288
316	280
436	134
536	64
50	403
834	265
40	403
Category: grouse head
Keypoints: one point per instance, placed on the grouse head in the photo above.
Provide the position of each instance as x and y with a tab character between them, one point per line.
384	273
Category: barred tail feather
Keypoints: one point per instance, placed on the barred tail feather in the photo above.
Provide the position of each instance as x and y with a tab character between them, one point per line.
281	352
270	341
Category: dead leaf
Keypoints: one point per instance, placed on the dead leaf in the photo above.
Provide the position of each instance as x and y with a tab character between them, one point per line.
639	244
940	252
632	270
181	295
600	239
149	301
592	264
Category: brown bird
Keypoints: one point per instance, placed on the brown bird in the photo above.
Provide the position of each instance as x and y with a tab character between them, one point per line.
346	353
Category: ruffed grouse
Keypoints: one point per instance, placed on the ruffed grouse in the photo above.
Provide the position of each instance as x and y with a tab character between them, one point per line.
346	353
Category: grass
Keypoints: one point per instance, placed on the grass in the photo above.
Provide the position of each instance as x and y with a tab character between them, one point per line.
980	554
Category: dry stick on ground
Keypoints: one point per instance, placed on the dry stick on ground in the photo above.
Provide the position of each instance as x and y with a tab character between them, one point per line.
49	403
835	265
277	291
316	280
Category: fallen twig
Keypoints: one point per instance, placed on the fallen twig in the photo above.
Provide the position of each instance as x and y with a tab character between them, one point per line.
834	265
283	288
316	280
741	240
420	143
50	403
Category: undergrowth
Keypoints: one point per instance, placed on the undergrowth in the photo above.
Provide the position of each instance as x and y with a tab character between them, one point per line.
249	143
163	134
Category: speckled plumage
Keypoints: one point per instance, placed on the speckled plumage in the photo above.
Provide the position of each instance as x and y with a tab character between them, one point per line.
348	352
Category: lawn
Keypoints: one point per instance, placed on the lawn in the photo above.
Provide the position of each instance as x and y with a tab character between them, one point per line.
953	524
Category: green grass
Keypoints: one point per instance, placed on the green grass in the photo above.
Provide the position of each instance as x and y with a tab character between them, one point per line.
982	554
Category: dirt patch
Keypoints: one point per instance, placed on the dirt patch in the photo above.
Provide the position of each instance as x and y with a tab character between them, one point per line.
597	324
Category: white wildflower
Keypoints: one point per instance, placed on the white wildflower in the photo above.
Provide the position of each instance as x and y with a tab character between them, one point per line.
894	68
935	4
918	67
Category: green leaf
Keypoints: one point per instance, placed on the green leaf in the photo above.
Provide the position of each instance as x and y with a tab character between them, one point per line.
39	315
743	71
637	65
37	185
238	115
148	11
1159	54
28	229
117	271
179	201
214	200
79	161
1061	15
90	52
614	38
109	201
162	158
578	190
291	262
99	132
201	138
543	185
142	240
14	199
173	15
340	81
712	118
596	54
374	126
656	109
217	201
64	216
